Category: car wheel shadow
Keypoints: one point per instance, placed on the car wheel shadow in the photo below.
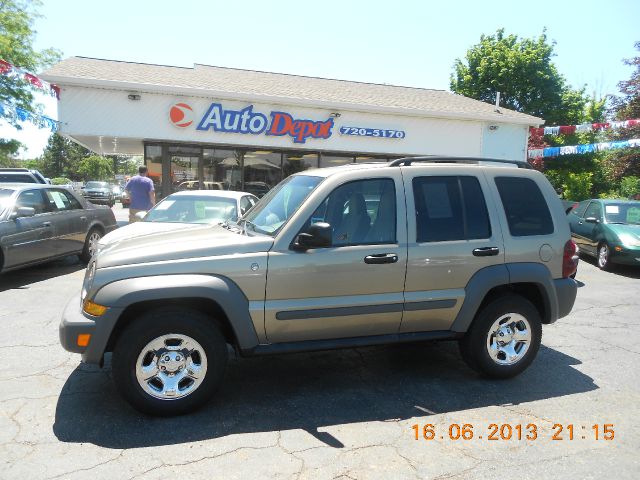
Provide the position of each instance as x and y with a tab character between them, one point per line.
24	277
310	391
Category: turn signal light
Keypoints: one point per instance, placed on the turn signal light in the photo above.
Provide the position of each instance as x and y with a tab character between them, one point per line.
93	308
83	339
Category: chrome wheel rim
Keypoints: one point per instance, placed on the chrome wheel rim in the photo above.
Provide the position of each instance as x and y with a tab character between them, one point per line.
94	238
509	339
171	366
603	256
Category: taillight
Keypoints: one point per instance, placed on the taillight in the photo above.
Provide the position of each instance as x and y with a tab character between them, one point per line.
569	259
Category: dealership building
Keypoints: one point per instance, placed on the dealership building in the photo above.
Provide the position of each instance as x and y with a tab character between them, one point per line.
242	129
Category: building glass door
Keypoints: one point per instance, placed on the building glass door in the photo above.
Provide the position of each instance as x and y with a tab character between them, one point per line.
184	168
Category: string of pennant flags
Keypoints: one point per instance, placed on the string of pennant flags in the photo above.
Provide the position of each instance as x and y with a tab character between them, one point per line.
580	149
585	127
17	73
13	113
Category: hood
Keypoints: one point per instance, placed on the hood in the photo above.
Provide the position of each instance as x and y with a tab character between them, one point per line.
143	242
619	229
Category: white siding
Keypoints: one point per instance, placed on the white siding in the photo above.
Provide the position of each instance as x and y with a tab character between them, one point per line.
98	116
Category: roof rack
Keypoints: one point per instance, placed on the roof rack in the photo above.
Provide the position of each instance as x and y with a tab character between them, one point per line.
406	161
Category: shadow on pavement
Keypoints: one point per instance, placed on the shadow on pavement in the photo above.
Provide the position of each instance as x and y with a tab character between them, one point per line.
629	271
311	391
24	277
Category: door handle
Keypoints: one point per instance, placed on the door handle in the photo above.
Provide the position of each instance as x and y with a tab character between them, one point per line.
381	258
486	251
46	224
83	218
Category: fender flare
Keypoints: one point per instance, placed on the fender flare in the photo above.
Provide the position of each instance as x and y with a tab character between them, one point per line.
504	275
124	293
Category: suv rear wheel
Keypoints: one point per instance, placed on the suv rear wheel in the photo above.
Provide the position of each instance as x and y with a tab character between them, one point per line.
169	362
504	338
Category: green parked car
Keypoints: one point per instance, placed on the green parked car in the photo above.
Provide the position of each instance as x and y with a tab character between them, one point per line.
608	230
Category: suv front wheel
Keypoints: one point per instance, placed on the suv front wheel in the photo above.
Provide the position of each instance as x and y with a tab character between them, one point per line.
504	338
169	362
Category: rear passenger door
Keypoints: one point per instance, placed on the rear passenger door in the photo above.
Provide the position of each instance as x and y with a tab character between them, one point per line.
69	219
453	231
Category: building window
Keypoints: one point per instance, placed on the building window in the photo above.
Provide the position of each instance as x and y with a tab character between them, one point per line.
334	160
371	158
222	167
294	162
262	171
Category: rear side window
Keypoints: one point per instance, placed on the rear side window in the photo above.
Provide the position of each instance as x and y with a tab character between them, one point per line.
450	208
525	207
20	178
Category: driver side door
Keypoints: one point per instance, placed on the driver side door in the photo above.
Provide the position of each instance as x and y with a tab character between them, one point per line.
353	288
29	239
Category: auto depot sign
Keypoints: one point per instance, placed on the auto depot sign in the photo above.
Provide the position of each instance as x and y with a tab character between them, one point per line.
250	122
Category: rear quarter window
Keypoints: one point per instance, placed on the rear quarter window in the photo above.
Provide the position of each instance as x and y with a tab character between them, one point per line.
525	207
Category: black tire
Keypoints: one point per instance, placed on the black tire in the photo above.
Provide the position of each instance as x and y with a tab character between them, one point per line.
473	345
603	257
95	234
150	326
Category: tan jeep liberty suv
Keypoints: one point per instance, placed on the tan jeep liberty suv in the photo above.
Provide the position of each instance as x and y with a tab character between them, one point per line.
416	249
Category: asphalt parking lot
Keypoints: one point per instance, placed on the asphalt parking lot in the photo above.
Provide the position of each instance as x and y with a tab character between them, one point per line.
345	414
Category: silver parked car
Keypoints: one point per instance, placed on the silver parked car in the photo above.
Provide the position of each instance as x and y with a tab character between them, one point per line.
41	222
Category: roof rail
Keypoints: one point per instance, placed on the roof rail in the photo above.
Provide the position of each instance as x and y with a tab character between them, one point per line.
406	161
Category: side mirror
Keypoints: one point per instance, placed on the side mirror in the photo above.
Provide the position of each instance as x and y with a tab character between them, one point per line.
319	235
141	215
591	220
23	212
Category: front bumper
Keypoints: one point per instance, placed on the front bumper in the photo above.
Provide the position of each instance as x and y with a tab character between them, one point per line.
75	322
626	255
100	200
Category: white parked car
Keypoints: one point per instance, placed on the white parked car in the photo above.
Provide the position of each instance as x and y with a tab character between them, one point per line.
187	209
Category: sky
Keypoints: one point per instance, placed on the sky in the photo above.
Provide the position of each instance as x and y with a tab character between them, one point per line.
412	43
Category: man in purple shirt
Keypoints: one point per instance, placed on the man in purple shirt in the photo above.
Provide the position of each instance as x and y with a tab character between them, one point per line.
142	194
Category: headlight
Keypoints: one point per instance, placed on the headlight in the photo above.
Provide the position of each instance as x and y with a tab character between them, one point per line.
89	275
629	240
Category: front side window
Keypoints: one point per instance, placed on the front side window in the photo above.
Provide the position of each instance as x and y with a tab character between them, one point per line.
593	210
360	213
32	199
525	207
450	208
274	209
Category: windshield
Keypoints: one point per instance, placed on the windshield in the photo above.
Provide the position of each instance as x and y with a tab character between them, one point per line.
97	185
627	213
5	195
193	209
277	206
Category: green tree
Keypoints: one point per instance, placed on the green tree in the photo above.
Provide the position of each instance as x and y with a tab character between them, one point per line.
61	157
522	71
629	186
16	47
95	167
8	151
627	106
